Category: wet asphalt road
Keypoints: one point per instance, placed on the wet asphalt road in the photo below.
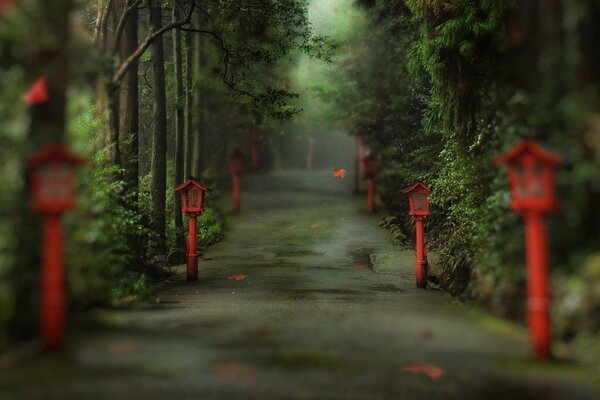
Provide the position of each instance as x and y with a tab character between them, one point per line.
312	318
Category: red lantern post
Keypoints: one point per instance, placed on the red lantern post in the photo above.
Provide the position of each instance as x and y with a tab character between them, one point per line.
52	174
531	170
371	170
192	202
236	169
418	200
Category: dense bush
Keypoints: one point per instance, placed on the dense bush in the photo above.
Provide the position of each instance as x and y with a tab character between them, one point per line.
459	83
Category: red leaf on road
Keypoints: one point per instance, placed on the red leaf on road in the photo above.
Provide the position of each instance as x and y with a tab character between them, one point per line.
359	266
237	277
339	172
234	371
123	347
428	369
37	93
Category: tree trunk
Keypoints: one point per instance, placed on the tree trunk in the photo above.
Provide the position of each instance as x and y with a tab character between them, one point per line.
159	132
179	129
198	162
189	102
129	106
112	91
47	58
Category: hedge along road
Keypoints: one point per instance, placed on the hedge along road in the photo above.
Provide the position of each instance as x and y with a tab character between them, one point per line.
306	298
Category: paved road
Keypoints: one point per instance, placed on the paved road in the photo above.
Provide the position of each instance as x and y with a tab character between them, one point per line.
313	319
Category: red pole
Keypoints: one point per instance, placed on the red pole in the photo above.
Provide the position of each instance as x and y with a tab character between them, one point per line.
53	284
371	194
421	267
192	256
538	315
236	193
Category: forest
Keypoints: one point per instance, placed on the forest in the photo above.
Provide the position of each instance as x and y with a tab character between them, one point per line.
151	92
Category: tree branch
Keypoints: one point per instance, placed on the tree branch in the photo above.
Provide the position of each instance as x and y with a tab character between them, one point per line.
152	36
225	76
121	25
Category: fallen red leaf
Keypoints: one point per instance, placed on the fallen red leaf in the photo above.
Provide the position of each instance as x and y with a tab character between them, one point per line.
360	266
37	93
237	277
233	371
426	334
339	172
123	347
430	370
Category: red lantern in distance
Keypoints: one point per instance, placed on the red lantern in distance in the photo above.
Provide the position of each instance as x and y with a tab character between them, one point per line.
418	201
236	169
192	202
371	170
531	169
52	176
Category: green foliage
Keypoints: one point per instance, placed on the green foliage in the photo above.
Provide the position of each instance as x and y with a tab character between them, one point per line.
460	82
105	227
251	37
211	228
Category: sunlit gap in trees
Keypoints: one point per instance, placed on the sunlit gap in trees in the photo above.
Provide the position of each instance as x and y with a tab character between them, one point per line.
318	83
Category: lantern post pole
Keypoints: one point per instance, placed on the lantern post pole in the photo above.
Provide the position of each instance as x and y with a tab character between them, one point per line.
192	256
531	170
421	265
538	315
52	284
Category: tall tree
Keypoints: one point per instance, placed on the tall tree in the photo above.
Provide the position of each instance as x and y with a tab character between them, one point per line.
179	127
129	100
159	130
189	101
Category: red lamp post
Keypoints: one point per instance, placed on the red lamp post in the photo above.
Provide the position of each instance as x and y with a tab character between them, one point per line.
531	170
192	202
371	170
52	174
236	169
418	200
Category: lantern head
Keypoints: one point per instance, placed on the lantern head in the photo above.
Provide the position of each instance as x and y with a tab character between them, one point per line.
370	166
418	199
531	170
192	196
236	162
52	173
